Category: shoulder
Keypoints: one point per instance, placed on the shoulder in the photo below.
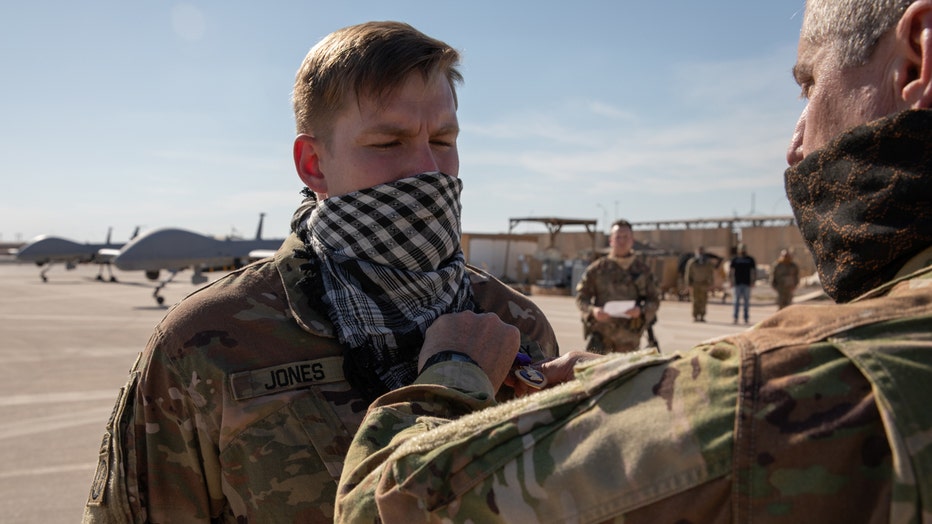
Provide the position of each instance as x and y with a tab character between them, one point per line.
640	264
221	325
599	262
228	297
598	266
494	296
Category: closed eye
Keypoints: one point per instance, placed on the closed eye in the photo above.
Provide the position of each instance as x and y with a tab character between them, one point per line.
805	88
804	79
446	138
386	145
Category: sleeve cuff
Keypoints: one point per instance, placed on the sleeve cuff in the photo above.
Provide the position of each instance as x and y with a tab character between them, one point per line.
461	376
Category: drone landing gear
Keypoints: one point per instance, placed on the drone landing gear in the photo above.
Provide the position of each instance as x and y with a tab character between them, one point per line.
159	298
48	265
197	278
100	271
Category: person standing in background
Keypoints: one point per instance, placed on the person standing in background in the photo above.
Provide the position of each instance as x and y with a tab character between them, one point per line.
618	276
742	272
700	276
784	278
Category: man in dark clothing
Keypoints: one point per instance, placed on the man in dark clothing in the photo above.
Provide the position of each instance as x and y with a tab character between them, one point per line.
742	272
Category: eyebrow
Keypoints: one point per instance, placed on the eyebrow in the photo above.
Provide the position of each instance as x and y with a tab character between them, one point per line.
399	130
801	72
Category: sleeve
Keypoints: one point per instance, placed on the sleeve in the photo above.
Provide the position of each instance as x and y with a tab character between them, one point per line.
110	495
585	291
577	452
651	298
537	336
156	463
441	393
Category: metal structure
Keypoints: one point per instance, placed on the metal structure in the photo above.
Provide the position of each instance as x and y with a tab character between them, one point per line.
726	222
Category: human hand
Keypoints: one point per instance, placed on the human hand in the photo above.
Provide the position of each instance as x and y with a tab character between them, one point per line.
556	371
490	342
600	315
634	312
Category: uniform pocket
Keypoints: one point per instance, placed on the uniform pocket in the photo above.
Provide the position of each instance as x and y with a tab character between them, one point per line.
109	497
290	459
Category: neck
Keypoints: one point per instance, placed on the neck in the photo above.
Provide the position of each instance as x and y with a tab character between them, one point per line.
864	202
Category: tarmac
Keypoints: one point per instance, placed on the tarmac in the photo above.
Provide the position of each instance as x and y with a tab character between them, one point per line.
66	347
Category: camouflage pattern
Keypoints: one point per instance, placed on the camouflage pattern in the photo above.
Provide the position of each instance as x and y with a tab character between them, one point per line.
818	414
237	410
700	276
784	277
604	280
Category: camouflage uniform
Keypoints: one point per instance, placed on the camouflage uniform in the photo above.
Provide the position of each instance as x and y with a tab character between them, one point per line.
237	410
784	278
700	275
604	280
726	432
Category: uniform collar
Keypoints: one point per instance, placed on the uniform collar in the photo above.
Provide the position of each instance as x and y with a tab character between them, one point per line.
289	269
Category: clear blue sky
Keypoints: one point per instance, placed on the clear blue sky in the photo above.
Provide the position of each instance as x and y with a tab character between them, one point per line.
177	114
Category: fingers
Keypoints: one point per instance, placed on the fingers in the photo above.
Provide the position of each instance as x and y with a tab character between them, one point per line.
600	314
490	342
560	369
556	371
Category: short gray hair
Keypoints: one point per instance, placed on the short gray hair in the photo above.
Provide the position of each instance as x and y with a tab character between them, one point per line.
851	27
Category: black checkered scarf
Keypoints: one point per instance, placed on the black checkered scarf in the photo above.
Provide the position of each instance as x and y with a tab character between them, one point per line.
390	263
864	202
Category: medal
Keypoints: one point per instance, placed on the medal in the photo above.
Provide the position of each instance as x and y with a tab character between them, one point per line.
532	377
525	373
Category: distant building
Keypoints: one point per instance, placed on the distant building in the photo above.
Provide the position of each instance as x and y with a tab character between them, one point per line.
550	257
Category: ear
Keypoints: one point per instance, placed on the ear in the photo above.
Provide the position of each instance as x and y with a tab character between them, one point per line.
914	32
307	162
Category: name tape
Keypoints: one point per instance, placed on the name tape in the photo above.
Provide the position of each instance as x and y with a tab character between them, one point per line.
294	375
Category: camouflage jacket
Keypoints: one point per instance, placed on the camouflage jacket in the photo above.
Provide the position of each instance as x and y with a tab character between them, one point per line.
700	273
237	410
784	275
605	280
818	414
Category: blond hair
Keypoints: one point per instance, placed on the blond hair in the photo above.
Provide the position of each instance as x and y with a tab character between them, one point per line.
365	60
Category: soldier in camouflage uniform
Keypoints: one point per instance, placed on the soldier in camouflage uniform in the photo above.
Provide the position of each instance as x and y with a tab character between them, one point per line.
244	402
784	278
620	275
817	414
700	276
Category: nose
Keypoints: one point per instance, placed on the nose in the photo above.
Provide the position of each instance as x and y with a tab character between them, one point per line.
795	154
426	160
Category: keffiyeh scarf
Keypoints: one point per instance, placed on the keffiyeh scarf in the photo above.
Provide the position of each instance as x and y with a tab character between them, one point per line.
864	202
388	263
